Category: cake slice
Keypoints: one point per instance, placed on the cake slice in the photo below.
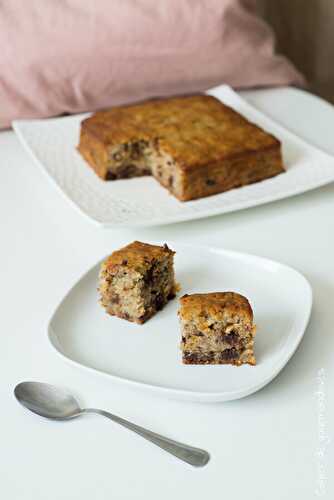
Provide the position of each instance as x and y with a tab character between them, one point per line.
137	280
217	328
194	146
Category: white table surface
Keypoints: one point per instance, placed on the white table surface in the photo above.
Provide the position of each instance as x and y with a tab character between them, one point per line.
269	445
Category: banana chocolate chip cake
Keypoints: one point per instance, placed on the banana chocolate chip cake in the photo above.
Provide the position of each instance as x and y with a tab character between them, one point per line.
137	280
217	328
194	146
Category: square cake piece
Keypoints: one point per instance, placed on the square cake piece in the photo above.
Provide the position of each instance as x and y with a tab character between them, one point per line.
194	146
137	280
217	328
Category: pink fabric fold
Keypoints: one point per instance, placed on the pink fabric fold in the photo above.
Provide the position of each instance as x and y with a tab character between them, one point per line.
77	55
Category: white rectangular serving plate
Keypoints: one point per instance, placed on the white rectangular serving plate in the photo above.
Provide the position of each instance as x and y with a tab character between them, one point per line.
148	356
142	201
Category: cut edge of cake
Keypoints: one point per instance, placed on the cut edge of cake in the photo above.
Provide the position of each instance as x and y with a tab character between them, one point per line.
137	280
217	328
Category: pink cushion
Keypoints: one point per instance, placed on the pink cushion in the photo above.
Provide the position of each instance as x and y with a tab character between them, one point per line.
77	55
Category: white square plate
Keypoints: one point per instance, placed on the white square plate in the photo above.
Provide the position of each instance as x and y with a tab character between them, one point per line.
148	356
142	201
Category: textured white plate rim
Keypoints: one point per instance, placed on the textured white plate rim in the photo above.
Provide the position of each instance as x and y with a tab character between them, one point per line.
192	395
204	212
210	212
50	179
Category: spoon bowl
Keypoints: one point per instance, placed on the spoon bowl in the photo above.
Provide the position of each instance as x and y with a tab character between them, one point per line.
47	400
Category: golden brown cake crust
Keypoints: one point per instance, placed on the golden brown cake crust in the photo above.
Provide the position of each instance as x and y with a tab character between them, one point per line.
137	255
193	129
210	147
215	304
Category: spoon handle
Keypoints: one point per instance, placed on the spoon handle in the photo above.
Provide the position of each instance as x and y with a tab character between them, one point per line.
189	454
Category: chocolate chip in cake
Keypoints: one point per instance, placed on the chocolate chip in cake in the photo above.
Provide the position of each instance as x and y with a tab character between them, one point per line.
229	354
198	358
126	171
110	176
190	357
159	302
135	151
232	338
210	182
148	277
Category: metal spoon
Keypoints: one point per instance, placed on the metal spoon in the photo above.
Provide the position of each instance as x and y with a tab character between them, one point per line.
54	403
